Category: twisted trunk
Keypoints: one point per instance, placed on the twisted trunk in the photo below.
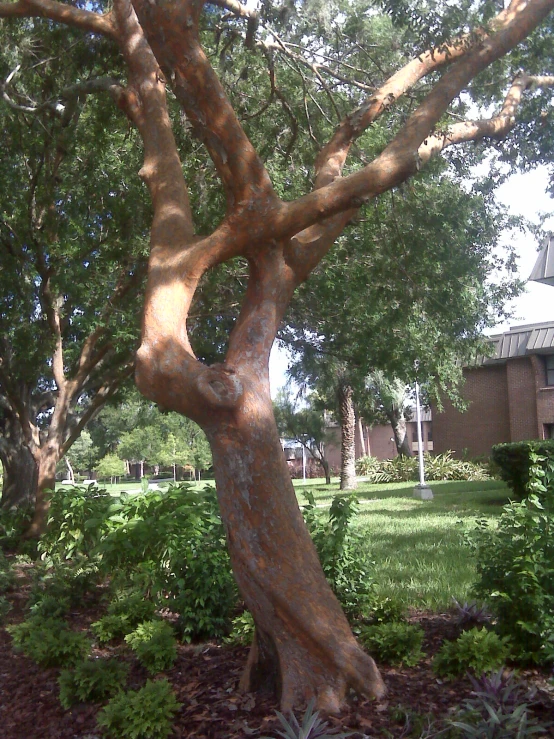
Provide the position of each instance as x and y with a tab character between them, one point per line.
303	646
398	423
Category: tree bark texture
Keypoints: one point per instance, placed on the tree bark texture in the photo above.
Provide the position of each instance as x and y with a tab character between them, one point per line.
347	416
20	476
303	647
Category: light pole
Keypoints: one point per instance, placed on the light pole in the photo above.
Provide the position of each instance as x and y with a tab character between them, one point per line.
421	490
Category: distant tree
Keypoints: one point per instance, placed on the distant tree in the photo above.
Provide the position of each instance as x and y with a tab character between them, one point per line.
110	466
387	397
306	425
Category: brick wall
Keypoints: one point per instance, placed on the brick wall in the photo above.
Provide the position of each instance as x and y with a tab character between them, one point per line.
523	384
487	420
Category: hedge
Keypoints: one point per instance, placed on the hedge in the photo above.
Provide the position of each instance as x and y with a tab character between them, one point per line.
514	462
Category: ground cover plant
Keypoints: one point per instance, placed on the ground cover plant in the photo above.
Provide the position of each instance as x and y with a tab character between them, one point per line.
400	633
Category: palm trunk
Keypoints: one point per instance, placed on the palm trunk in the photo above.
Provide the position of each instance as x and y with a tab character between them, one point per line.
399	430
348	438
303	646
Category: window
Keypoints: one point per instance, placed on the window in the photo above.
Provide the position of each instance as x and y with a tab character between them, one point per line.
548	430
549	363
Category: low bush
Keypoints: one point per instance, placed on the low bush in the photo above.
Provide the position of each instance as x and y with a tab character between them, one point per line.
405	469
394	643
516	459
92	680
7	575
515	566
64	581
242	629
499	708
141	714
49	642
108	628
154	644
342	552
50	606
5	608
385	610
476	650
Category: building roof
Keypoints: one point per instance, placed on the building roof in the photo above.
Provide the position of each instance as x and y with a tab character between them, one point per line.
543	271
520	341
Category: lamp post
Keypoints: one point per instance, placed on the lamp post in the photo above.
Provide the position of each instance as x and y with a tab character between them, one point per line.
421	490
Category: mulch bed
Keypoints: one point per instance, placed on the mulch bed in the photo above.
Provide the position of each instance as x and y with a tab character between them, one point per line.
205	679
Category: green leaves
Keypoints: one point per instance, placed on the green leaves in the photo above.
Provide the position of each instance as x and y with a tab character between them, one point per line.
478	650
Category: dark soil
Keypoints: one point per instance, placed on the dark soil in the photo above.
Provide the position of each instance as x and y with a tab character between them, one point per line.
205	679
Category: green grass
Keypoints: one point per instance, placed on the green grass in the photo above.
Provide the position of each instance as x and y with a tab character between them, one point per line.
418	546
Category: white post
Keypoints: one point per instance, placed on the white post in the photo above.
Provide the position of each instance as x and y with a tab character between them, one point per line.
421	490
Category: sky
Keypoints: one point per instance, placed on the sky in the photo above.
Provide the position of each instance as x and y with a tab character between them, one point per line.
523	194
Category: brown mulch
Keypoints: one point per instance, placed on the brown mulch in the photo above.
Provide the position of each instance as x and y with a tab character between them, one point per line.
205	679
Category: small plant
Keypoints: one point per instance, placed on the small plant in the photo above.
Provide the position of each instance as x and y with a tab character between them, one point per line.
242	629
111	627
71	581
141	714
394	643
477	650
91	680
471	614
498	709
7	575
5	608
312	726
49	641
386	610
51	607
154	644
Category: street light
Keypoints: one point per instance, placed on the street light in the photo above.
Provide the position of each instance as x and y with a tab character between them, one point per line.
421	490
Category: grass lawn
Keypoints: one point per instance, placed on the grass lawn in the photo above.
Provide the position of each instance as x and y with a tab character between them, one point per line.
418	546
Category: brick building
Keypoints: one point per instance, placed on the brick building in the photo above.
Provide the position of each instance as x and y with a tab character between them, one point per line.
510	395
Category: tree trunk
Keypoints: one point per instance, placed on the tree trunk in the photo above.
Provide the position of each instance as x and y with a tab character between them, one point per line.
348	438
303	646
398	424
325	465
20	476
362	437
47	459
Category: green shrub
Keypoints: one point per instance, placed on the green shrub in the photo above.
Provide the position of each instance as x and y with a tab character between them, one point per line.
405	469
154	644
76	522
49	641
386	610
142	714
92	680
515	566
515	460
477	650
111	627
133	605
64	581
173	544
242	629
342	553
394	643
50	606
5	608
13	524
7	575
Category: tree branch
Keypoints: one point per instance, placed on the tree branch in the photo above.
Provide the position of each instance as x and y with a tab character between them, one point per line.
56	11
495	127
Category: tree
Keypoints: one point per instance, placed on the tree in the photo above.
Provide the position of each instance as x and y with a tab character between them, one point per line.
110	466
304	425
303	644
73	253
388	397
